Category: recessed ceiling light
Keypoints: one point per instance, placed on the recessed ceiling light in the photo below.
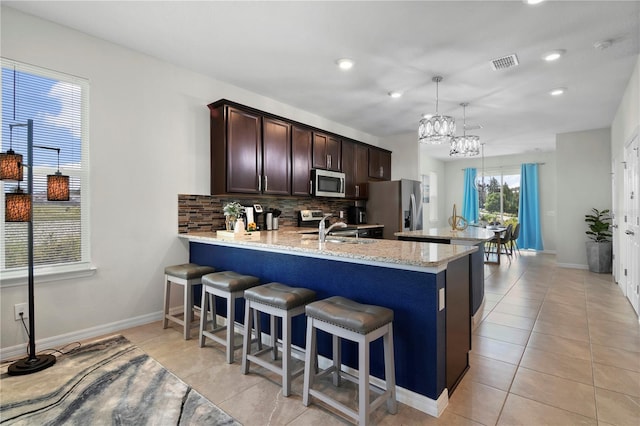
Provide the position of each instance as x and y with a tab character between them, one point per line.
345	63
558	91
554	55
395	94
533	2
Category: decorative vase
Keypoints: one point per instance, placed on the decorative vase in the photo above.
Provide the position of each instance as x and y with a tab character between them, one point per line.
230	222
599	256
239	226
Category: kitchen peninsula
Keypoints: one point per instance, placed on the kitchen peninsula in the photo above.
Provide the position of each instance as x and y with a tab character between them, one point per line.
426	285
471	236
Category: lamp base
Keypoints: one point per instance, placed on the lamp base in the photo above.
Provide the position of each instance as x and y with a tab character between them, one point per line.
31	365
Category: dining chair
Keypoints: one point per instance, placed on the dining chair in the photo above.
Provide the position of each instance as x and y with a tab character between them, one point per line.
514	237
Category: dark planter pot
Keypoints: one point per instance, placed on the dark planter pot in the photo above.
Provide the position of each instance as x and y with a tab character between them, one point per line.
599	256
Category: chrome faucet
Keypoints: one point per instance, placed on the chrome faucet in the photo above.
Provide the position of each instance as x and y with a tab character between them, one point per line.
322	233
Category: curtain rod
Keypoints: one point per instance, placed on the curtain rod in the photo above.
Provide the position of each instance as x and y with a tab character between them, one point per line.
509	167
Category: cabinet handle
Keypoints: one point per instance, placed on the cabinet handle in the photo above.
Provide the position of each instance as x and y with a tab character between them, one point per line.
381	171
328	161
259	183
357	190
266	184
629	232
310	187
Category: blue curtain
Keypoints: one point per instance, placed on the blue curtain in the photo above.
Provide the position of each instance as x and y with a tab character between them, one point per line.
529	209
470	200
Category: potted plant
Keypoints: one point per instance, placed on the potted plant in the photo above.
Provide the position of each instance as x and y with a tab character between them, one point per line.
231	212
599	248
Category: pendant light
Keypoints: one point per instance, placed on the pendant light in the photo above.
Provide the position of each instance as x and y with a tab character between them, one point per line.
17	206
57	184
465	145
436	129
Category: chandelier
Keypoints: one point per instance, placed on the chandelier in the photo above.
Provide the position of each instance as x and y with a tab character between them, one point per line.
436	129
465	145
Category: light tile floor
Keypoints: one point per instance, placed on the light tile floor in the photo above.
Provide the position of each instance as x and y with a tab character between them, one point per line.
556	346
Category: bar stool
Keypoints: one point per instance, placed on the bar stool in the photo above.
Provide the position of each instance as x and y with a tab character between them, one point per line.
344	318
279	301
231	286
186	275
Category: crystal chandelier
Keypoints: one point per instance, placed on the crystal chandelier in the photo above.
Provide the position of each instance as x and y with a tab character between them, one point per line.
465	145
436	129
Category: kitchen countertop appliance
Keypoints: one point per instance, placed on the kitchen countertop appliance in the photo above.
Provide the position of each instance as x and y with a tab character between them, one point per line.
395	204
311	218
357	215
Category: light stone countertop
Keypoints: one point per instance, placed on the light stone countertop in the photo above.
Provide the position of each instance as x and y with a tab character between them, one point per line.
409	255
472	234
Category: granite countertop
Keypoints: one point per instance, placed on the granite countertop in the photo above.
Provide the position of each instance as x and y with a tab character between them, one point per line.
472	233
426	257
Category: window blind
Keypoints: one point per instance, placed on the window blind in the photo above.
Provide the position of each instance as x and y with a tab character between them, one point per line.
58	105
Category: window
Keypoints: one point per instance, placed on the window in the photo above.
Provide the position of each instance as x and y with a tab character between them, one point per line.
499	196
58	105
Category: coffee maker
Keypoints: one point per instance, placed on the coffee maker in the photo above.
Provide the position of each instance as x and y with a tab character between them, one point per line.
356	215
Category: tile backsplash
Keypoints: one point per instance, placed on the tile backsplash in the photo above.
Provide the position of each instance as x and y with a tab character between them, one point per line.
204	212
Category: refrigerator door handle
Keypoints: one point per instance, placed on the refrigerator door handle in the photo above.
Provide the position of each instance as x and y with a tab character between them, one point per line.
412	209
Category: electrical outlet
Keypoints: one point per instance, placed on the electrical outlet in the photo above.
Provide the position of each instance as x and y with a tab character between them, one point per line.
21	308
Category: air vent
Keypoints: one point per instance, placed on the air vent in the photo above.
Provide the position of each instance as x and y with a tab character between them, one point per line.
505	62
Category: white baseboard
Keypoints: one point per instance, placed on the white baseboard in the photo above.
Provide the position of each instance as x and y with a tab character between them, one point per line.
573	265
87	333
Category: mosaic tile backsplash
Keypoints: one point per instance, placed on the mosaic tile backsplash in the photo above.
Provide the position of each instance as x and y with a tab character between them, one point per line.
204	212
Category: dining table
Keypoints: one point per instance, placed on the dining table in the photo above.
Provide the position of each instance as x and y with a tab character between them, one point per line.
498	232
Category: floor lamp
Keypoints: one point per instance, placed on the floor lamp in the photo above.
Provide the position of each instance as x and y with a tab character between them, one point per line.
19	208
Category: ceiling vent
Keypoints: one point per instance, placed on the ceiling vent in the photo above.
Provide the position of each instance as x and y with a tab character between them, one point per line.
505	62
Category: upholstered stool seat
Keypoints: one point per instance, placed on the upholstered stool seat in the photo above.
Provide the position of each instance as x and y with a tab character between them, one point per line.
231	286
344	318
186	275
279	301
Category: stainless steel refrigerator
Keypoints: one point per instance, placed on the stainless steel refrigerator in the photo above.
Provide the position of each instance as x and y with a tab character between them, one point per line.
396	204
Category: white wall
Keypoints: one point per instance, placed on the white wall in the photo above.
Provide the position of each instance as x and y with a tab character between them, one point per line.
454	176
149	141
584	182
411	160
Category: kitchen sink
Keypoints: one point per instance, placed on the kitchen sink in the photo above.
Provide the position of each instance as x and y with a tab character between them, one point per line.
341	240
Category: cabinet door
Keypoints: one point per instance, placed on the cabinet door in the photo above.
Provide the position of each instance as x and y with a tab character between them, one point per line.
379	164
361	171
243	151
276	161
334	151
301	160
349	167
326	152
320	151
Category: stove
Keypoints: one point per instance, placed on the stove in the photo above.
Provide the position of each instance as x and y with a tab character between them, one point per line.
311	218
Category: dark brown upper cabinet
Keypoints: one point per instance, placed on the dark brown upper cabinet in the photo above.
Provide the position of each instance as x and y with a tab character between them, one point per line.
249	153
254	152
301	160
327	152
355	164
379	164
276	157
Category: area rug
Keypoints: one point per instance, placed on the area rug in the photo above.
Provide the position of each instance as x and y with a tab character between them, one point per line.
106	382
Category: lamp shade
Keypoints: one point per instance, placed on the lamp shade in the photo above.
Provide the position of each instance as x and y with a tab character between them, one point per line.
17	207
10	166
57	187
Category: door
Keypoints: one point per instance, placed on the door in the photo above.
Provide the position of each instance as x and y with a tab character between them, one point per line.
243	151
301	161
631	225
276	161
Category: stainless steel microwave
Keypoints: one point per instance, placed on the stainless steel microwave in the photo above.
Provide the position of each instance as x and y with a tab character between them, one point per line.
325	183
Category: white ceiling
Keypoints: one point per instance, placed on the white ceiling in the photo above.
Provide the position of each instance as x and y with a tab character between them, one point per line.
287	51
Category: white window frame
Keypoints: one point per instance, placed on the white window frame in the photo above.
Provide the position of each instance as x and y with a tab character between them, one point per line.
55	272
